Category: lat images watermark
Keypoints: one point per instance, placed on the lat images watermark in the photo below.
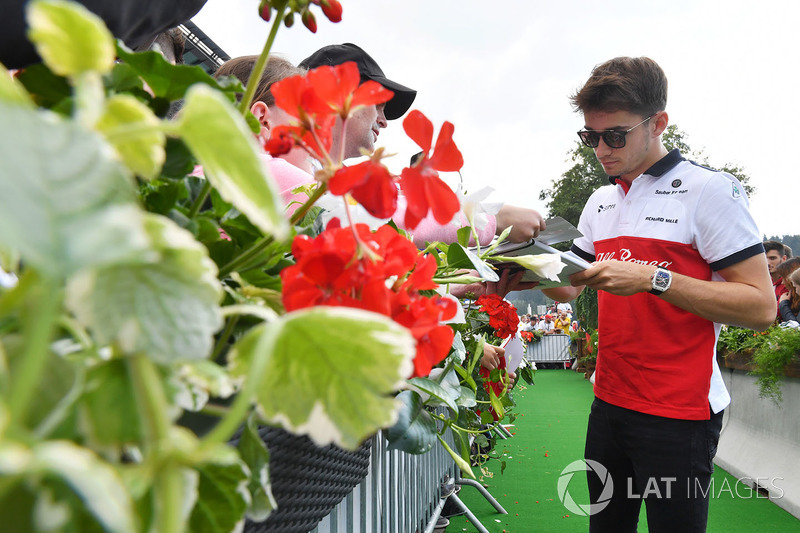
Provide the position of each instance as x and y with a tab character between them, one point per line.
662	488
585	465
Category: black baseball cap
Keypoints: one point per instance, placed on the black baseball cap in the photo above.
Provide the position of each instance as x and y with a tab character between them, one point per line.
336	54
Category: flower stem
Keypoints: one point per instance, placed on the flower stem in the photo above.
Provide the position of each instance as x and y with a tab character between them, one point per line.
238	410
303	209
261	63
150	398
37	330
200	200
459	428
223	338
249	254
153	406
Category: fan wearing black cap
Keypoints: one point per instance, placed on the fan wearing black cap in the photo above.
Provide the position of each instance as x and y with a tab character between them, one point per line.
293	170
363	131
364	126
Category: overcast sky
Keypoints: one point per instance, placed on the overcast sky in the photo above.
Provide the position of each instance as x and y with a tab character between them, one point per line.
503	75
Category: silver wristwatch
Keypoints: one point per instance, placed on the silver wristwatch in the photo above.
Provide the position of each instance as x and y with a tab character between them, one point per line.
661	281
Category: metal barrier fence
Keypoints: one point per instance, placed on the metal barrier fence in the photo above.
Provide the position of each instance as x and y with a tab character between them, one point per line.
399	494
402	493
549	349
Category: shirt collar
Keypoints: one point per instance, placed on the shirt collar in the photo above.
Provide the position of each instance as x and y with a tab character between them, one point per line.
661	167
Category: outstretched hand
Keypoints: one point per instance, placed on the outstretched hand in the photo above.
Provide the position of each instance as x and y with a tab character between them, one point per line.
509	281
622	278
491	359
526	223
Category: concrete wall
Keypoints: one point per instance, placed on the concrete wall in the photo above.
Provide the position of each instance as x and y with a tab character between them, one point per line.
760	441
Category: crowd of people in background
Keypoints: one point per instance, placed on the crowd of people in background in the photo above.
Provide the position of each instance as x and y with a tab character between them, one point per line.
557	320
785	273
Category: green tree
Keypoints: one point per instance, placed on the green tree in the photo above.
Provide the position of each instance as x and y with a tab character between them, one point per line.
567	195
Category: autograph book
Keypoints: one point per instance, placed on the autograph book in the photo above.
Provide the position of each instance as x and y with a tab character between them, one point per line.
558	230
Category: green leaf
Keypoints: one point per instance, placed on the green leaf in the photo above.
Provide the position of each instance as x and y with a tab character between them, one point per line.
109	408
460	257
17	505
330	372
180	160
526	373
160	196
70	38
256	456
65	204
463	235
221	494
57	381
458	352
222	142
462	443
497	405
47	89
171	81
167	308
13	91
462	464
415	430
197	381
486	418
466	398
466	377
445	396
96	482
143	153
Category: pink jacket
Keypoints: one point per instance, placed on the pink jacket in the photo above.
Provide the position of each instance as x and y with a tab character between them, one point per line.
289	177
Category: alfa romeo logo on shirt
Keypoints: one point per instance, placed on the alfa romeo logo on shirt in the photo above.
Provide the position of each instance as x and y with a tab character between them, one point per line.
676	183
587	465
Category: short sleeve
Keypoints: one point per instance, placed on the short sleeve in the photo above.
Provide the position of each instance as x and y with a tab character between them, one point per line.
725	231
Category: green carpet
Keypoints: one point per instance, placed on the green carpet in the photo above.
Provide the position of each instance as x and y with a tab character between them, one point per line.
549	435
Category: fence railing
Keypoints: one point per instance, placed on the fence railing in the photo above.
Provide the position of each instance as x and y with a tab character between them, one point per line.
549	349
402	493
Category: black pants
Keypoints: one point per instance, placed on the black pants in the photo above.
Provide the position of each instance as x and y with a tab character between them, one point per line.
665	462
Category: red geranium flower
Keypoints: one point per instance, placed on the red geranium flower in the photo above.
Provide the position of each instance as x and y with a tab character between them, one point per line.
281	140
502	315
420	183
331	8
297	96
330	270
309	21
423	317
499	387
340	88
370	183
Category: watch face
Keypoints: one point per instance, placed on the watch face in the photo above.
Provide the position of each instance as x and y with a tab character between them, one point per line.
661	280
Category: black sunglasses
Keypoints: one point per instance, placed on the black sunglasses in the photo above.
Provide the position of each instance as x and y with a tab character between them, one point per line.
612	138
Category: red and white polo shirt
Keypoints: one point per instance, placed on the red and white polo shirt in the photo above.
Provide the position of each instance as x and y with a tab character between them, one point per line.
654	357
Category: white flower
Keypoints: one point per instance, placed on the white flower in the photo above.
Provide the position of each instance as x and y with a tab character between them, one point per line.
334	207
475	209
543	265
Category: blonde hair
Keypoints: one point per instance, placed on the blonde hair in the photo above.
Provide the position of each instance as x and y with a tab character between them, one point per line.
277	69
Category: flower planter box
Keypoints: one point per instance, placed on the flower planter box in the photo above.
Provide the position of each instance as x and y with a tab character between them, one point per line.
743	361
760	440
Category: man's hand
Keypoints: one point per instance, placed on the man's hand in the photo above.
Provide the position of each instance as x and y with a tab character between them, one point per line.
622	278
491	359
508	282
527	223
